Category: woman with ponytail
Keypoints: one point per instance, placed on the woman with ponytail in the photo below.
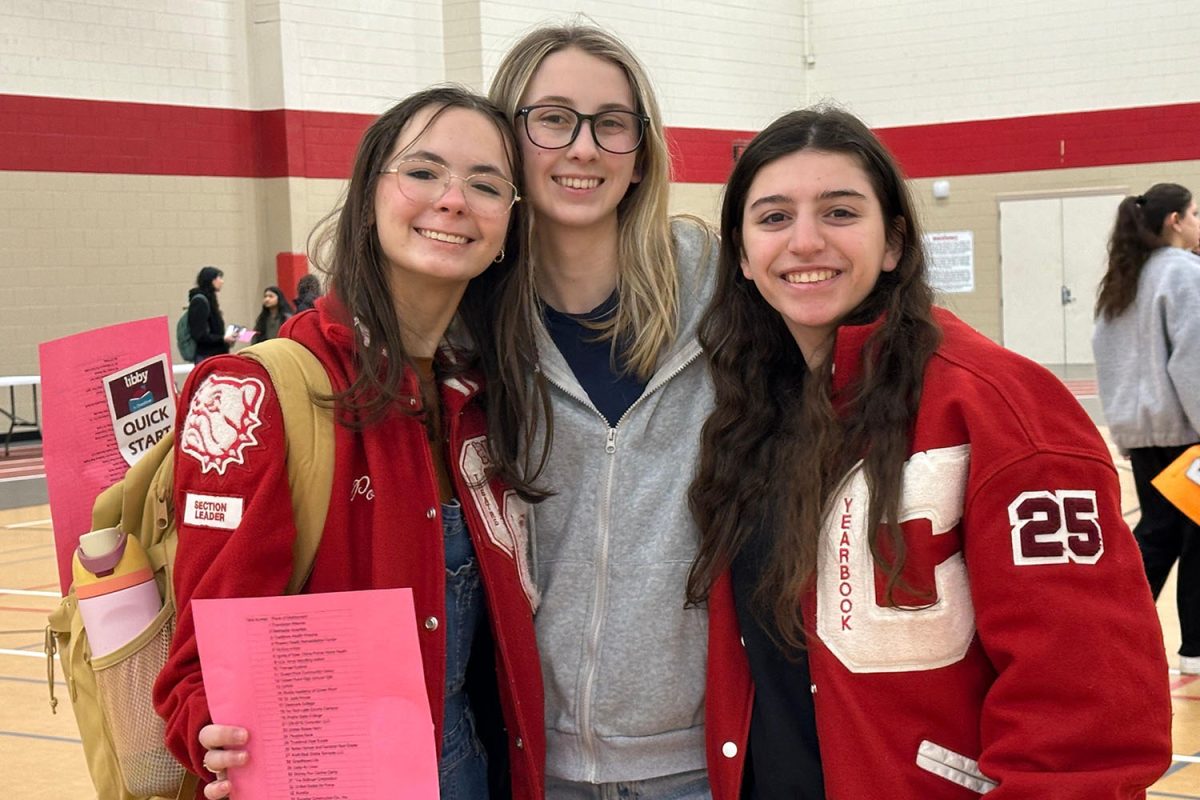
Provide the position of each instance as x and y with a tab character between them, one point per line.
1147	347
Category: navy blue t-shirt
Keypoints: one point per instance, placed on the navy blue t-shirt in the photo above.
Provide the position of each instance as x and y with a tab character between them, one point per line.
611	388
783	761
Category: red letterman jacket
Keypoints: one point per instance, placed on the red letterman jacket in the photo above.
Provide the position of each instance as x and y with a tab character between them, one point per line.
1037	668
383	530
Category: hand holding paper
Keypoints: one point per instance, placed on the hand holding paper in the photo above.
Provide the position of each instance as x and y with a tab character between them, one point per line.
331	689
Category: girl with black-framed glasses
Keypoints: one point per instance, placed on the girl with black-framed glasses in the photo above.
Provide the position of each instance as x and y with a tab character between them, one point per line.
604	394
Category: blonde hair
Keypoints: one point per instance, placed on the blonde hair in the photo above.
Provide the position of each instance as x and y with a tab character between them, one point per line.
647	313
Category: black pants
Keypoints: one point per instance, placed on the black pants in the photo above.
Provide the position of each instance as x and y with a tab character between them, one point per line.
1165	534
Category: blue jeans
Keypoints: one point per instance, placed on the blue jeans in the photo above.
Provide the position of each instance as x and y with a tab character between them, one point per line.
462	770
684	786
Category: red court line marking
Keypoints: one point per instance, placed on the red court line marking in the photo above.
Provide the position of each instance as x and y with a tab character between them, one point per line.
1183	680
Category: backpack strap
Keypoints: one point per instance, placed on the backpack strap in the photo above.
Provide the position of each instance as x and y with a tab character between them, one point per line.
299	378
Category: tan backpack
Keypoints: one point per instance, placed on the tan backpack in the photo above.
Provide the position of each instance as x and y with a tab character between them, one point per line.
123	738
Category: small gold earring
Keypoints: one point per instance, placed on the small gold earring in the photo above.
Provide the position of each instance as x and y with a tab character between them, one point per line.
499	257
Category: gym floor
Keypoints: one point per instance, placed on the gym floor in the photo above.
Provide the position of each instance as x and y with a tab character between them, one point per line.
40	753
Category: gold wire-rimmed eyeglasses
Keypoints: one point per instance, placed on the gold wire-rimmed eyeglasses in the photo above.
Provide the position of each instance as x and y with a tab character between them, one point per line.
423	181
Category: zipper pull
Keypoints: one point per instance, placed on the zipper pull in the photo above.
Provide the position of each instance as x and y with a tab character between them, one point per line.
610	442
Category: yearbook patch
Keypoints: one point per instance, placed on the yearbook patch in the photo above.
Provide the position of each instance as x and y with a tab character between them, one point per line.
212	511
221	421
865	636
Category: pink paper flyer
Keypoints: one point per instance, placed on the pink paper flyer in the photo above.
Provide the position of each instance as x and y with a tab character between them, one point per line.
107	397
331	689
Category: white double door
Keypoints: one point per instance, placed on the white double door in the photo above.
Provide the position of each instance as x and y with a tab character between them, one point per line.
1053	253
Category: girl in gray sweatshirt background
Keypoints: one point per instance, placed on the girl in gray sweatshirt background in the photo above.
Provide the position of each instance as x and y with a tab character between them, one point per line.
1147	348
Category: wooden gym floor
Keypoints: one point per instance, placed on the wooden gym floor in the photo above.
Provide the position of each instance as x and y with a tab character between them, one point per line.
40	754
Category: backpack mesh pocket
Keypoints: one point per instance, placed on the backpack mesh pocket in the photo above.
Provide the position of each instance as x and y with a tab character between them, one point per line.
125	683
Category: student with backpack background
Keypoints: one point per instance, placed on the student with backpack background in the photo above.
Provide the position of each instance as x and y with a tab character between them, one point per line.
205	325
416	501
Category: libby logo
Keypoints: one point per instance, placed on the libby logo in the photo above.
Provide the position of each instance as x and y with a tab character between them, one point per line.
362	488
135	378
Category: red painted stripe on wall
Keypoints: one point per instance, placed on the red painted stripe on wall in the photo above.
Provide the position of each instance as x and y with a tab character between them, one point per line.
1144	135
48	134
63	135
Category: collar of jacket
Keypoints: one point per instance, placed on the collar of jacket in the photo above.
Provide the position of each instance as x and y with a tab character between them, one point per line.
338	329
850	343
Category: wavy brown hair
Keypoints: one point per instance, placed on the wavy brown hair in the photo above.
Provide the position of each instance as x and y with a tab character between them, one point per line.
345	246
1136	234
774	450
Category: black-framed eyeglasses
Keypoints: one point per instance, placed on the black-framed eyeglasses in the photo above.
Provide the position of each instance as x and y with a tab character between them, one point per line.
555	127
422	181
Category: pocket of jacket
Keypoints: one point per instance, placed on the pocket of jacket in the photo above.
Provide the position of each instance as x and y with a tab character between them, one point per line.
954	767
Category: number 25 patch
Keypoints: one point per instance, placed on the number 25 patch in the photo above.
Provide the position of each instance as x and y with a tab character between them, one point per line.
1055	527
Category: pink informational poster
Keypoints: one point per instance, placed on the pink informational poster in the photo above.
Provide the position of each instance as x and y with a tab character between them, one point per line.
107	397
331	689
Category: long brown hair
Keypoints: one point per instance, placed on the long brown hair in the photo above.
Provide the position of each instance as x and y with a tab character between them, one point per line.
345	246
647	314
774	449
1136	234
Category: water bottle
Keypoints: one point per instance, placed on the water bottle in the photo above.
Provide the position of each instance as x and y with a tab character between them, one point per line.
115	587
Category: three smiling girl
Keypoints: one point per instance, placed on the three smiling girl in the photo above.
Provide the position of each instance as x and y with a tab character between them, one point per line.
597	390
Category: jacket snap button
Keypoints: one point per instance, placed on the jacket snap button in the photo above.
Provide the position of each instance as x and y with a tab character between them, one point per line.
520	743
430	514
812	687
729	750
431	623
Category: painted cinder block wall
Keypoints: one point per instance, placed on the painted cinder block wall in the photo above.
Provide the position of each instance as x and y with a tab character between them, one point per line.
140	141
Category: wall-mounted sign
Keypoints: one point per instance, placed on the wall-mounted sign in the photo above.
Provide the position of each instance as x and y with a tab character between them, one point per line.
950	256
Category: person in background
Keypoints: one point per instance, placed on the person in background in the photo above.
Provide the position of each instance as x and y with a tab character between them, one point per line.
275	312
1147	347
308	289
920	585
605	390
205	322
417	244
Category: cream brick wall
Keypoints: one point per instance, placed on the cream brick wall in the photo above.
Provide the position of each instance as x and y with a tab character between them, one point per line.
332	55
77	251
714	64
904	63
463	55
973	206
361	57
188	53
725	64
81	251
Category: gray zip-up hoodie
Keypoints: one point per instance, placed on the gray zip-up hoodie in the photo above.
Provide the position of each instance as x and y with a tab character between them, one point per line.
623	660
1148	357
